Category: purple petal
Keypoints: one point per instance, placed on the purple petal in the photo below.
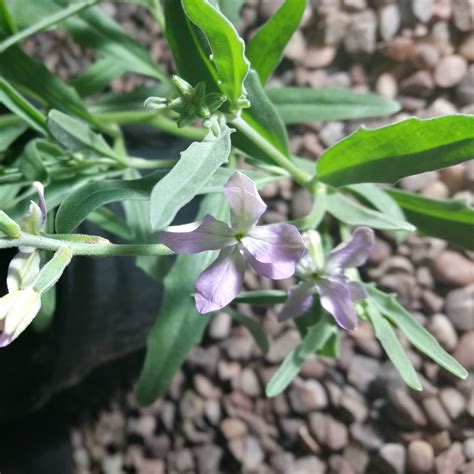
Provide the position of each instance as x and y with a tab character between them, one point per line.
299	300
246	205
352	253
209	234
358	292
220	283
336	300
275	271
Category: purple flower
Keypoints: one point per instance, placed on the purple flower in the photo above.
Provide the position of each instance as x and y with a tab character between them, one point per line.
272	251
325	276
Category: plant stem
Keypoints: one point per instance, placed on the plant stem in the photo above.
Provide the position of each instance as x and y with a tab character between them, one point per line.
154	120
298	175
90	250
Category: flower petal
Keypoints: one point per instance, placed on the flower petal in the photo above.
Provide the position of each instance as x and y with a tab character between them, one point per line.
352	253
246	205
209	234
220	283
358	292
23	269
336	300
300	299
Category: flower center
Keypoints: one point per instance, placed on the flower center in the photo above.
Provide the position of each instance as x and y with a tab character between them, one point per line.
239	235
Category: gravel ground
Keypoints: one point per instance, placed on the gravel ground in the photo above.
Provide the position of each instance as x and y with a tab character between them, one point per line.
353	415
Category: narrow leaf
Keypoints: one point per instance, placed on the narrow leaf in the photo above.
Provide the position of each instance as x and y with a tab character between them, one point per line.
231	9
195	167
52	271
451	220
11	127
80	203
414	331
300	104
265	49
352	213
262	297
314	339
226	46
391	345
389	153
179	326
31	164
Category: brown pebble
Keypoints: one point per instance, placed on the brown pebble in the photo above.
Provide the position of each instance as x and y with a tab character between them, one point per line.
420	457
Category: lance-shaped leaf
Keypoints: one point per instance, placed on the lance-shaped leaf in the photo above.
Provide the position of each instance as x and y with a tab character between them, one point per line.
16	103
388	339
300	104
231	9
52	270
414	331
315	338
255	328
451	220
262	297
265	49
11	127
226	46
80	203
195	167
179	326
31	164
352	213
389	153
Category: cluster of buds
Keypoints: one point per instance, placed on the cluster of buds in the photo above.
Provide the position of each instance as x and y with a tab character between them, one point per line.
192	103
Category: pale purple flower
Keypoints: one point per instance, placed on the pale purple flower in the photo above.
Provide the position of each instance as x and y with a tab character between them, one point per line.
325	276
272	251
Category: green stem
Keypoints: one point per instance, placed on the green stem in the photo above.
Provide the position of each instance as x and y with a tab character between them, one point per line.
154	120
90	250
298	175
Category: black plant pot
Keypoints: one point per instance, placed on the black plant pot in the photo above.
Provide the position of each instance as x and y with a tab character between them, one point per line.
105	309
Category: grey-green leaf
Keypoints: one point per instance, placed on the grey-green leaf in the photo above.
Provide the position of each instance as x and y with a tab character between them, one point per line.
265	49
195	167
301	104
387	154
352	213
388	339
452	220
255	329
414	331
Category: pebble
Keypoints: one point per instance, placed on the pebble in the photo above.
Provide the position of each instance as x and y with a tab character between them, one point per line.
355	5
233	428
450	460
440	37
454	269
422	9
282	462
463	14
339	465
319	57
386	85
361	36
307	395
454	177
191	405
406	406
357	457
450	71
420	457
464	353
309	465
281	346
466	48
460	308
296	48
208	458
426	56
152	466
301	203
469	449
399	49
362	371
453	401
393	458
442	329
220	326
249	382
418	181
334	26
366	436
436	413
332	133
436	190
389	20
328	431
420	84
354	404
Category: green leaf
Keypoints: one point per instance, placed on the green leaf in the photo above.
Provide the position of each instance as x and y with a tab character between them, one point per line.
51	272
231	9
97	77
451	220
31	164
226	46
17	104
388	339
110	222
45	22
80	203
255	329
76	135
265	49
11	127
195	167
7	25
262	297
402	149
352	213
301	104
414	331
314	339
264	118
179	326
